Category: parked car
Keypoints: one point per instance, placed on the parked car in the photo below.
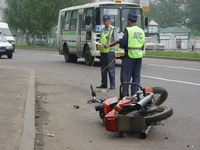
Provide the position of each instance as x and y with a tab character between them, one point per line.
152	44
5	47
5	30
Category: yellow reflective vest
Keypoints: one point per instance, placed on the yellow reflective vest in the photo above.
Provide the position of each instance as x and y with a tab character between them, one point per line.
106	38
136	41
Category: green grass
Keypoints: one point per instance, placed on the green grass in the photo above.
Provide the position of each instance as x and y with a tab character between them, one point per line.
38	47
173	54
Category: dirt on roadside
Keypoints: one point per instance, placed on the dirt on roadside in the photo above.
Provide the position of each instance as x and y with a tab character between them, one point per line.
40	117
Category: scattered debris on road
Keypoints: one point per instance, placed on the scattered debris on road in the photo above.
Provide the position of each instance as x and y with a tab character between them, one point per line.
102	91
50	135
76	107
37	117
39	97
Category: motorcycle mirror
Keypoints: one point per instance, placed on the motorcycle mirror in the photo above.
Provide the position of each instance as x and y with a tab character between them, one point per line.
93	93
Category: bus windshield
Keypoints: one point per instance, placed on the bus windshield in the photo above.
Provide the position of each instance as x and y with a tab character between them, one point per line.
114	16
118	17
125	12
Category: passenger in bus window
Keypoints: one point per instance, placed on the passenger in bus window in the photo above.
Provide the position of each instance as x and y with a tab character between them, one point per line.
108	34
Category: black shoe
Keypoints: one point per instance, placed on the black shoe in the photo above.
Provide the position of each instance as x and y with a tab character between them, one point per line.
101	87
112	88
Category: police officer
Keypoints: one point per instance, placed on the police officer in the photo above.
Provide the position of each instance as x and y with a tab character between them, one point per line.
108	34
133	43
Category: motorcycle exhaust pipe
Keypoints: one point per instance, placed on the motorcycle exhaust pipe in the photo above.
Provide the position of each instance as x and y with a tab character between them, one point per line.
144	133
140	104
144	101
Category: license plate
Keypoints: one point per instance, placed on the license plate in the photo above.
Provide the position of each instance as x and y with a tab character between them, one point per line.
2	50
119	54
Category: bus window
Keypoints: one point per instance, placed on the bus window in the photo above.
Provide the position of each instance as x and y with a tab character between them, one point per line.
98	19
67	21
62	22
89	19
73	24
125	12
97	27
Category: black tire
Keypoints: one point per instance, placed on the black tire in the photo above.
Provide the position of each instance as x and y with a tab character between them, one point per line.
74	58
162	113
13	48
121	134
10	56
69	57
89	59
161	95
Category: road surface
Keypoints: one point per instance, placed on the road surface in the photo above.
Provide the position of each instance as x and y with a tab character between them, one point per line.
61	85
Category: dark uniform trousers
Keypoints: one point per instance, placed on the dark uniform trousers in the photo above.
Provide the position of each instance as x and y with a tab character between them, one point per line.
130	68
106	59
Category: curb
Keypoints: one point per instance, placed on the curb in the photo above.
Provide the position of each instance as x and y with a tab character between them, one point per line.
173	58
28	133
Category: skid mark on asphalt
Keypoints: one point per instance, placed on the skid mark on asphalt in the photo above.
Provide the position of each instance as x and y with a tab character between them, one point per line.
170	80
174	67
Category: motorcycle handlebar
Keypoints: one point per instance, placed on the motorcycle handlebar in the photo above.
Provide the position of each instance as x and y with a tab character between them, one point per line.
93	93
128	83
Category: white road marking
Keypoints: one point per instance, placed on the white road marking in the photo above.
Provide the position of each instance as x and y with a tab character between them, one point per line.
55	55
174	67
170	80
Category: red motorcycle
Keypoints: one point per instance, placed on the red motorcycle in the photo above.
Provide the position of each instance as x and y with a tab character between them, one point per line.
133	113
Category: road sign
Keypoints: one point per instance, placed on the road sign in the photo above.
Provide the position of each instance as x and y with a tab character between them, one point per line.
145	5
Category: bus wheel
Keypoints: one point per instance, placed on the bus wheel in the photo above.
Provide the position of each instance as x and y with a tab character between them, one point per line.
69	57
88	57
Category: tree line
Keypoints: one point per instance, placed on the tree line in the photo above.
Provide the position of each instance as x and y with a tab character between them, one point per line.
36	17
168	13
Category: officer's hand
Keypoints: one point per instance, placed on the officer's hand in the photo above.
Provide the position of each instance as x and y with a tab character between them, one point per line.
107	45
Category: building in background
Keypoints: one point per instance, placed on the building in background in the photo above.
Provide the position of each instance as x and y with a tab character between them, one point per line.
2	7
169	37
194	43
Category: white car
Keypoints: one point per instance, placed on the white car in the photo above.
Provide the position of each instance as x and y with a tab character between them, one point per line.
152	44
5	30
5	47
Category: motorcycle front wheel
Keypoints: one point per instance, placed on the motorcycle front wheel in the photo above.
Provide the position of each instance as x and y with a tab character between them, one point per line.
161	113
160	95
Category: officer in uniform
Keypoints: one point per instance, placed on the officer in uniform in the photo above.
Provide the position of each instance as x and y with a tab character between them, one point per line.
133	43
108	34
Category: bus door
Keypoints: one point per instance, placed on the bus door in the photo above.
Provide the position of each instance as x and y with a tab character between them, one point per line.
79	32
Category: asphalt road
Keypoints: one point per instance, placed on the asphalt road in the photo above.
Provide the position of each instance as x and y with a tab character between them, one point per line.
61	85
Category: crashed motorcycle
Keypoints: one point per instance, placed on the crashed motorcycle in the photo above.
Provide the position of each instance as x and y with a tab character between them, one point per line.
133	113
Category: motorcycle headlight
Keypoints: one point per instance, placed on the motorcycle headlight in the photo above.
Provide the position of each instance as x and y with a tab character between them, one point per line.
9	47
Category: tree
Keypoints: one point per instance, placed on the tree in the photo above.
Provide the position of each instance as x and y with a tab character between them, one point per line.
192	14
36	17
167	12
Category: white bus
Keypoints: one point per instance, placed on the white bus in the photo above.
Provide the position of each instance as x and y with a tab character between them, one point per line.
79	28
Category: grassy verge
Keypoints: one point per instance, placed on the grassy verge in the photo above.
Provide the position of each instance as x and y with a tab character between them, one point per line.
173	54
38	47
